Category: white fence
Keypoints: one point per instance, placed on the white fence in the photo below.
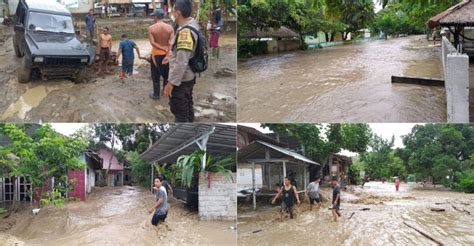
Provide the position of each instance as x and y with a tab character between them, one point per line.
456	77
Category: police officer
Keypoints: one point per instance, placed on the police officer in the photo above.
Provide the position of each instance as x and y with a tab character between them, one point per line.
181	78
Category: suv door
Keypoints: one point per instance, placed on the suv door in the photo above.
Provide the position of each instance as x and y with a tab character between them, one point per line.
20	29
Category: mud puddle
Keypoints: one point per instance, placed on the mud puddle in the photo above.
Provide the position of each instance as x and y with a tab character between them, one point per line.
107	99
115	216
350	83
374	215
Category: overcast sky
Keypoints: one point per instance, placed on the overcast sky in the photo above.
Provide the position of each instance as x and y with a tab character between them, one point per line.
67	128
377	6
385	130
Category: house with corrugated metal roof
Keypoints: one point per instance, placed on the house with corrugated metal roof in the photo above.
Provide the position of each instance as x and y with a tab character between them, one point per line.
264	162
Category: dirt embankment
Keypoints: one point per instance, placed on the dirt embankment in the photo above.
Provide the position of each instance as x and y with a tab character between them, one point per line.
115	216
107	99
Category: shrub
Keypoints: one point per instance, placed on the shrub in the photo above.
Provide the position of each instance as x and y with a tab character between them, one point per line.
466	183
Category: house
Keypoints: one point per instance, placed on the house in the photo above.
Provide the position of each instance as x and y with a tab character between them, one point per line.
263	162
278	40
116	172
85	178
457	19
337	166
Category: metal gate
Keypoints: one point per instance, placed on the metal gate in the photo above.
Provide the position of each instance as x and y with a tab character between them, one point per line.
23	187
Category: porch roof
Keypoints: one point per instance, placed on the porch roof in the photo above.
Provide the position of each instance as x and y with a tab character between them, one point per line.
186	137
461	14
260	151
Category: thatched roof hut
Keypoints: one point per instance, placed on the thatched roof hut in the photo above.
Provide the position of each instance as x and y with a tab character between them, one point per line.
459	15
282	32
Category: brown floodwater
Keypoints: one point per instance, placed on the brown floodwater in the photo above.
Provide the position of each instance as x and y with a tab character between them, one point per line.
115	216
350	83
382	224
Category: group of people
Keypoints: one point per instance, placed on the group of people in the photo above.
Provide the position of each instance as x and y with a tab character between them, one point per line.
172	50
290	196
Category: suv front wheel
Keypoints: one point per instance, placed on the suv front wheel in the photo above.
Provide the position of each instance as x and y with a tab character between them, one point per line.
24	71
80	76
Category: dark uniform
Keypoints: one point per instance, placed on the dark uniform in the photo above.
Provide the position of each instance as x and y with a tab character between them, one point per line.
181	75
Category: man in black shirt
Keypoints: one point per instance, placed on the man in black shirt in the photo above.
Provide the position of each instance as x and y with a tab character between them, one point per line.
336	198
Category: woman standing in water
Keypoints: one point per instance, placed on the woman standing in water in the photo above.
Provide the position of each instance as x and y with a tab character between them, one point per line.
289	193
397	183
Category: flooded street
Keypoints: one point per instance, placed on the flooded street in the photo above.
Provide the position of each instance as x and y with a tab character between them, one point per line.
107	99
348	83
380	223
114	216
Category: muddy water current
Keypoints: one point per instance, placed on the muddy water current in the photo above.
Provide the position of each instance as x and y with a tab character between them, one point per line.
380	223
115	216
348	83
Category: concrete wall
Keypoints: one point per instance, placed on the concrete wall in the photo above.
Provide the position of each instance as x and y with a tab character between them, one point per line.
83	7
244	176
456	76
217	201
105	155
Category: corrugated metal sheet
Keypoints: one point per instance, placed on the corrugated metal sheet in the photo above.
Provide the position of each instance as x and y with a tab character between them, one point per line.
117	1
222	141
256	150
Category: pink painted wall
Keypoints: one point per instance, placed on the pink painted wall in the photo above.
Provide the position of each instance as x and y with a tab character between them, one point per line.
105	155
79	190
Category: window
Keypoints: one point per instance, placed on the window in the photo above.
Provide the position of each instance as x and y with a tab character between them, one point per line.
50	23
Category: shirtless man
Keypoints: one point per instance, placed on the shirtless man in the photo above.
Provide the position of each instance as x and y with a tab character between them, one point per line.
160	36
105	42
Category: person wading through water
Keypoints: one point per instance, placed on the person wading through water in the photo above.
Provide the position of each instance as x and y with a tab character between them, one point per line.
181	78
336	199
312	194
160	207
289	193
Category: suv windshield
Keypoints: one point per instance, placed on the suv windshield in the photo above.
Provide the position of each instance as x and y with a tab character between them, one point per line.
50	23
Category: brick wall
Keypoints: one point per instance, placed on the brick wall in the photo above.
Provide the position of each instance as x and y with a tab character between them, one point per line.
219	202
79	190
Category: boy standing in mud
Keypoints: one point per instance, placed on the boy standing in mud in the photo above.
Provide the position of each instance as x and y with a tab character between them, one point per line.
312	194
126	48
105	45
161	203
181	77
336	199
289	193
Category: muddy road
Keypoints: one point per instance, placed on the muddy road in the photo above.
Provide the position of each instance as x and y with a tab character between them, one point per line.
107	99
382	224
348	83
114	216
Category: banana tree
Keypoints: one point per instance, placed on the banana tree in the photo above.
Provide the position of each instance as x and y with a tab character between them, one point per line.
191	166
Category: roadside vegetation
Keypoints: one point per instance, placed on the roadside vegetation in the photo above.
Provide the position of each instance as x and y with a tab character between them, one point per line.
309	17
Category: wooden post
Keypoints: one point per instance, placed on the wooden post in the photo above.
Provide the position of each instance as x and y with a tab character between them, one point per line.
284	169
269	177
305	178
253	187
152	174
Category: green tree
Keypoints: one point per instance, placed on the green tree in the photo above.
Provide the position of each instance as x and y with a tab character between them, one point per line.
321	141
40	157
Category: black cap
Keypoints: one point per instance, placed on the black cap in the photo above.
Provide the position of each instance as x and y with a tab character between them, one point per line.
158	13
